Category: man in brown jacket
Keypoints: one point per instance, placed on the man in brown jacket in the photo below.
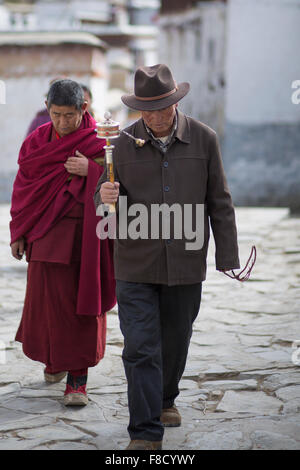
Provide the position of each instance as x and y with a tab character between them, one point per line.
159	278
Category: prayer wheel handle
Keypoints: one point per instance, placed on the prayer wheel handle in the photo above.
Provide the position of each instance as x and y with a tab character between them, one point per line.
109	129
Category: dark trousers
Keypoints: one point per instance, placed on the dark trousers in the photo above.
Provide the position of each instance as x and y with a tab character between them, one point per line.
156	321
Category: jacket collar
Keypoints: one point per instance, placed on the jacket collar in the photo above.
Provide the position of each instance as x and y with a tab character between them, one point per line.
182	132
183	129
140	131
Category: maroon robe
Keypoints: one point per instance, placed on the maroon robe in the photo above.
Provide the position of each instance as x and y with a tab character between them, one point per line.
70	283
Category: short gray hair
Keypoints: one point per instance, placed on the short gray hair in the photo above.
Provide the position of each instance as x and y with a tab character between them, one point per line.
65	92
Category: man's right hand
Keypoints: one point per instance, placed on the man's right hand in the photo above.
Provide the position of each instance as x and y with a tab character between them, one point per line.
17	248
109	192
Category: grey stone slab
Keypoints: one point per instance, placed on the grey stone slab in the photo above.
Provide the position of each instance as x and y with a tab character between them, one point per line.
275	381
242	337
97	380
194	392
22	370
190	400
266	440
8	415
275	356
186	384
13	388
120	415
248	340
40	406
219	440
214	371
249	402
214	338
25	423
65	445
111	390
106	402
224	385
292	406
91	412
11	443
41	393
52	433
288	393
109	436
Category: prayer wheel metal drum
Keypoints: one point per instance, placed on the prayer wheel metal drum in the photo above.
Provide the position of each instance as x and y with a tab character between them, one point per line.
108	129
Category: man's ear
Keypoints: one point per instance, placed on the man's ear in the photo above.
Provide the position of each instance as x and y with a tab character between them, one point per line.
46	103
84	107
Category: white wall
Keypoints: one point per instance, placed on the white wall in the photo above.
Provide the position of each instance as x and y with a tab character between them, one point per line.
4	18
24	97
263	61
185	44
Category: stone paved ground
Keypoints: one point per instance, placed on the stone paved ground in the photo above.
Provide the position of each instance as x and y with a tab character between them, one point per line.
240	390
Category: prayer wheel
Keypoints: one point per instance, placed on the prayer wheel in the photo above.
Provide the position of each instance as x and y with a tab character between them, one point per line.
109	129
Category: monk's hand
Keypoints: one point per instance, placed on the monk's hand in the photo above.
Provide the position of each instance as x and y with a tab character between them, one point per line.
17	248
77	165
109	192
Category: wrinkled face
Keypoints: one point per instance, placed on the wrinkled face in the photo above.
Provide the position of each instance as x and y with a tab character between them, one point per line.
66	119
160	122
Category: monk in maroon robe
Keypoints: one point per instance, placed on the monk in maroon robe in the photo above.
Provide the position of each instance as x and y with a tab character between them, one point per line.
70	279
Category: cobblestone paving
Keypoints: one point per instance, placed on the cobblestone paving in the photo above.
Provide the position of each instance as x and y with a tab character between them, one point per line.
241	386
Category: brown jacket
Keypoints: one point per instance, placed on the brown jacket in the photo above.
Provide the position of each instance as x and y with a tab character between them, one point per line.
190	172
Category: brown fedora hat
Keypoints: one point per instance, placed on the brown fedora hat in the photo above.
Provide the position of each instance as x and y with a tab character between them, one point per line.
154	89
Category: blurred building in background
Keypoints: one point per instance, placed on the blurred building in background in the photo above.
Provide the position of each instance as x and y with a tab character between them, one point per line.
127	26
192	36
29	62
262	133
240	57
98	43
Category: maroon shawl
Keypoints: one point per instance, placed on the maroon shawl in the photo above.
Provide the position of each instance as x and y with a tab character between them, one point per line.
41	197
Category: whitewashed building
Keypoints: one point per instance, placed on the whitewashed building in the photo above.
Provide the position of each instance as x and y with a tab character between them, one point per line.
127	23
242	60
96	42
262	138
192	42
128	27
29	61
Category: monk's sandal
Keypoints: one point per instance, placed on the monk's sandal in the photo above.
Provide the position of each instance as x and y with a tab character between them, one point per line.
54	378
75	393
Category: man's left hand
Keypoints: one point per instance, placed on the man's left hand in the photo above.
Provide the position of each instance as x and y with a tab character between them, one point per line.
77	165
